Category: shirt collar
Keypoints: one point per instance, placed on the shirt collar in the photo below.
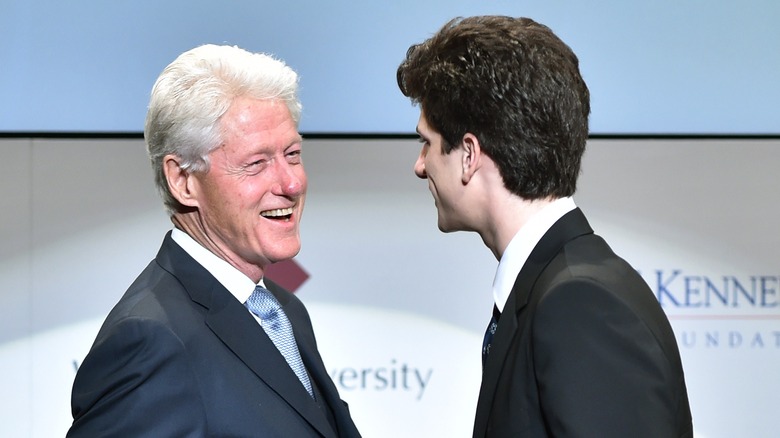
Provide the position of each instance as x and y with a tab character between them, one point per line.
521	245
231	278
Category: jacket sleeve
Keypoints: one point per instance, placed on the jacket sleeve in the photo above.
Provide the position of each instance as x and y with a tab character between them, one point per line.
136	382
600	370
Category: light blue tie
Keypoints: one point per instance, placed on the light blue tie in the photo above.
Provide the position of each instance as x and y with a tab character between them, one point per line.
276	325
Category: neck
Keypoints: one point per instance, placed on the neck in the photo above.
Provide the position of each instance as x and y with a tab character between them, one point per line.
191	224
506	216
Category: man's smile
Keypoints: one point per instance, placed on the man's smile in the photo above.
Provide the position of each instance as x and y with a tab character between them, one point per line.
279	213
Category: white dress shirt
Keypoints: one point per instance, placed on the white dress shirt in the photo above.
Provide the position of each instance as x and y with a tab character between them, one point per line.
234	280
521	245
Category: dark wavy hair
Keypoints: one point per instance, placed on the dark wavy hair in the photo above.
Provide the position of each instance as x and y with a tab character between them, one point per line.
513	84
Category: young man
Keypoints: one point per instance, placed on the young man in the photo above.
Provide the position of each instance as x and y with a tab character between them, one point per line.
578	345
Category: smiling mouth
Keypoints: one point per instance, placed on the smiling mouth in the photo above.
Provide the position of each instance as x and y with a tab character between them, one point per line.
282	214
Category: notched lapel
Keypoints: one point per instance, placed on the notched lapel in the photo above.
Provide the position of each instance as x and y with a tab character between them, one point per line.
502	340
571	225
235	326
232	323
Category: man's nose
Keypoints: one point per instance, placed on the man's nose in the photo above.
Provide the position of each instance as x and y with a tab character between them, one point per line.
419	166
291	179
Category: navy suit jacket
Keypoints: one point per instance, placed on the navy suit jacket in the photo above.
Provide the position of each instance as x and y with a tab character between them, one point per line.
179	356
582	349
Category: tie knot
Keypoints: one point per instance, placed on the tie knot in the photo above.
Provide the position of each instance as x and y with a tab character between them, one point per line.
263	303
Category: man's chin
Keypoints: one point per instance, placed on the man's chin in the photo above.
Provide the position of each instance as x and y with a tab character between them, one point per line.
282	253
445	228
452	226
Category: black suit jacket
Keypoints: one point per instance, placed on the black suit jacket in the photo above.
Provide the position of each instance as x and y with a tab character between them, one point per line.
582	349
179	356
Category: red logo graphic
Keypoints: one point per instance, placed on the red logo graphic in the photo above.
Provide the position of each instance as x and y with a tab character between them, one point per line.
287	274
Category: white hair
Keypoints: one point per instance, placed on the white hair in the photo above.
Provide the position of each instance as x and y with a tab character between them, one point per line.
192	94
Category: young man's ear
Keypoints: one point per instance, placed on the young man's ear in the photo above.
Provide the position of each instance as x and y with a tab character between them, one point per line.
472	155
181	182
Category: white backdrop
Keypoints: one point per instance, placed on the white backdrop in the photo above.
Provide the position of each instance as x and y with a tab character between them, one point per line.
698	218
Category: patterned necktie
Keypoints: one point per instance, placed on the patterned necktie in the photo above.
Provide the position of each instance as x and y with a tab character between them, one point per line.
275	323
489	332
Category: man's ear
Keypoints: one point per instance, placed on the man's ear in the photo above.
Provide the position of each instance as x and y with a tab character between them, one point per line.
471	158
181	182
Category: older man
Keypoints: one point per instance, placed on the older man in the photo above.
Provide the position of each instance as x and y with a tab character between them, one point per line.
200	344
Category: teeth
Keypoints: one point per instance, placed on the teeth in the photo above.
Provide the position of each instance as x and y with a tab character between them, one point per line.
277	213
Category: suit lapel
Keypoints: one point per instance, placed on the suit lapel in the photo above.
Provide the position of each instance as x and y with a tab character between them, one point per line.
568	227
326	392
232	323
